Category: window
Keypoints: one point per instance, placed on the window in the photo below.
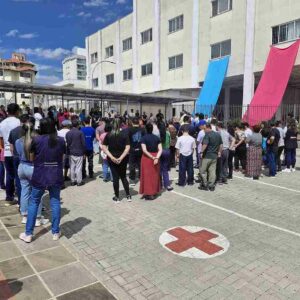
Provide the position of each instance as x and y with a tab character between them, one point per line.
81	61
127	44
147	69
110	79
1	72
81	67
25	75
146	36
127	74
286	32
94	57
95	82
2	95
221	49
176	62
176	24
109	51
220	6
81	75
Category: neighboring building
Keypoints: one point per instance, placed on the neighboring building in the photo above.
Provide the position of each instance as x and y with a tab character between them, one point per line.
74	70
165	46
17	69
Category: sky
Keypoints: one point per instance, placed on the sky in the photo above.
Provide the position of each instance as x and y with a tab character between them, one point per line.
49	30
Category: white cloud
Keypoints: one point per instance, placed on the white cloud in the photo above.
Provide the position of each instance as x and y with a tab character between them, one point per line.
84	15
57	53
28	36
47	79
95	3
12	33
121	1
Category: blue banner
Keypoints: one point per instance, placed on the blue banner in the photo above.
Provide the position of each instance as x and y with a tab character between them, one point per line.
212	86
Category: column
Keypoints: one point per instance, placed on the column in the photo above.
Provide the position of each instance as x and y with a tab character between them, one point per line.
88	64
249	79
98	72
156	39
118	58
195	44
135	42
227	104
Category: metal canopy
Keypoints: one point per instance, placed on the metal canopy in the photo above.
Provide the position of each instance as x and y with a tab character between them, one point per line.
87	94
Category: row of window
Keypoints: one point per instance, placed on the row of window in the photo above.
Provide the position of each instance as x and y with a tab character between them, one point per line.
175	62
286	32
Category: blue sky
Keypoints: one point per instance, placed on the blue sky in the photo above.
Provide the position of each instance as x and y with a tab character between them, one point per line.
48	30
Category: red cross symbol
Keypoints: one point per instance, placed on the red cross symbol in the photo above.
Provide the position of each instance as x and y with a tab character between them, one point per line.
187	240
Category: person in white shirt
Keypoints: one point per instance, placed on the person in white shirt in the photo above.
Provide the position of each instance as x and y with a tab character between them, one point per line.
66	125
280	145
248	131
6	126
185	148
37	117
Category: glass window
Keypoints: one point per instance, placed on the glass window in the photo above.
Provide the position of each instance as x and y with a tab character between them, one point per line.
127	44
147	69
1	72
95	82
176	62
221	49
146	36
220	6
127	74
109	51
110	79
94	57
25	75
176	24
286	32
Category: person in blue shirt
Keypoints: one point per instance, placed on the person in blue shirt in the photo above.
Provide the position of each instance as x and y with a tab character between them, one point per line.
90	135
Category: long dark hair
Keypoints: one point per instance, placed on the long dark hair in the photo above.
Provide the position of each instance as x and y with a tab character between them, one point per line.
47	127
29	133
115	127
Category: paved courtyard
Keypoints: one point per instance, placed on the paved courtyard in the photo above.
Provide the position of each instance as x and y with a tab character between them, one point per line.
111	250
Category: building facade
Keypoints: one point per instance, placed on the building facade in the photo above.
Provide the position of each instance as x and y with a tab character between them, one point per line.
165	46
74	70
18	69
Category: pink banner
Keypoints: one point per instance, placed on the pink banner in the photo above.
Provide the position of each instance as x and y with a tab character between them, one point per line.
272	85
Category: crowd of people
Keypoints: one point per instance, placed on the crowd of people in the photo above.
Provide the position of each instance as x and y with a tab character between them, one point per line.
42	150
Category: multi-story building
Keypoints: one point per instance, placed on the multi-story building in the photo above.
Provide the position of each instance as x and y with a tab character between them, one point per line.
74	70
165	46
16	69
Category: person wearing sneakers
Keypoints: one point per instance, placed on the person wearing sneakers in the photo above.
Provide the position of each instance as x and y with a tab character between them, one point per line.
47	152
291	145
25	171
76	149
116	146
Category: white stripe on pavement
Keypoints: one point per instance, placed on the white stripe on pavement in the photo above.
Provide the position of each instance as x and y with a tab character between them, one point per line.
269	184
239	215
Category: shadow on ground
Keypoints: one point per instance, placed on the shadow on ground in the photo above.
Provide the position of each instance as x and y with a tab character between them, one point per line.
72	227
7	291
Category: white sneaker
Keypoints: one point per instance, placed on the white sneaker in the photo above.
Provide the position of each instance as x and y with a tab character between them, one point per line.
24	220
293	170
25	238
286	170
56	236
41	221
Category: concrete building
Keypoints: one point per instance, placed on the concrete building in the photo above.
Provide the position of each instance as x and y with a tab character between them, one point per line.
165	46
18	69
74	70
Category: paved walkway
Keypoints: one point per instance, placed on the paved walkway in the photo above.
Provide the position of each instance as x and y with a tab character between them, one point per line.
114	249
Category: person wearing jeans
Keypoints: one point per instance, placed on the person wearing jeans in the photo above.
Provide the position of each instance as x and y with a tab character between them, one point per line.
25	171
165	162
47	151
290	147
185	148
272	149
6	126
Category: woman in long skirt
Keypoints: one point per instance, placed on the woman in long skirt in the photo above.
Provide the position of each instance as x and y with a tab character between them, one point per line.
254	154
150	183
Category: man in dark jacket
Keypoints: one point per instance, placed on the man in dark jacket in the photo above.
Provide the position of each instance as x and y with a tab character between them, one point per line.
76	149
